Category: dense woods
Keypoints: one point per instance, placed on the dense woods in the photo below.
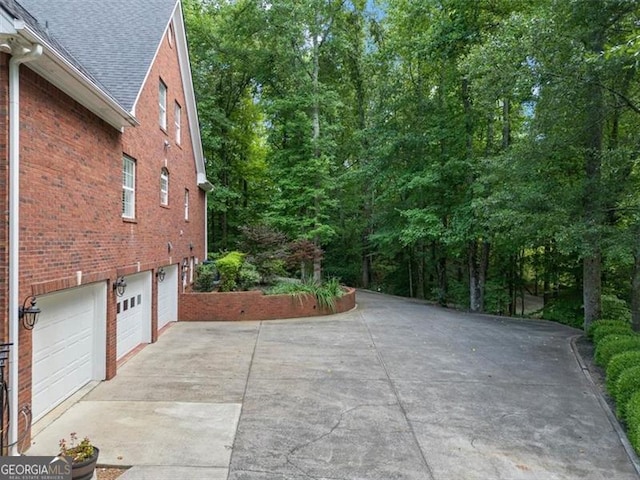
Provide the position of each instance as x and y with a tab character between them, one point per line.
465	152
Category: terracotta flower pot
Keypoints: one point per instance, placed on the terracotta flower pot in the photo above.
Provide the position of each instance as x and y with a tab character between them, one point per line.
84	470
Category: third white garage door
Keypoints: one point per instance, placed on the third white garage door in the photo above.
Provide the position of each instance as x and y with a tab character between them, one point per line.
134	314
168	296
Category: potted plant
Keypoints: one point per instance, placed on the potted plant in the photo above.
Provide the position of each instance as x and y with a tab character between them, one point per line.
84	456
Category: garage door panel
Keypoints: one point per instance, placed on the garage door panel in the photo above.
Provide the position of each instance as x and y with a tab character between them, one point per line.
134	314
68	341
168	297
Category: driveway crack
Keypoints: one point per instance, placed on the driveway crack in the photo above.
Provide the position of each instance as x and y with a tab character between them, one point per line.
398	400
333	428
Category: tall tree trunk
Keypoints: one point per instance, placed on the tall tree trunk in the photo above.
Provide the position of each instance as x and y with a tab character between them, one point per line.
478	254
512	285
594	128
410	276
366	268
443	281
546	274
317	259
420	280
440	262
506	123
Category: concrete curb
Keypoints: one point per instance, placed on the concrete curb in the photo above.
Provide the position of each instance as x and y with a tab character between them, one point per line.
633	458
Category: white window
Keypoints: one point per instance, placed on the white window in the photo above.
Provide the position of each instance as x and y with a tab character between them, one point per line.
170	35
162	102
164	187
177	115
186	204
128	187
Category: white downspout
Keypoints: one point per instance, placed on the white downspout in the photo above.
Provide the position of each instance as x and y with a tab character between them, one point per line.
206	226
19	55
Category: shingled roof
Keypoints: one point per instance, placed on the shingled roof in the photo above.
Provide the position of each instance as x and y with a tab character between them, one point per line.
115	41
99	52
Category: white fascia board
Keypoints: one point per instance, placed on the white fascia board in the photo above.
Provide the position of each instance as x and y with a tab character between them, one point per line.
58	71
189	96
8	24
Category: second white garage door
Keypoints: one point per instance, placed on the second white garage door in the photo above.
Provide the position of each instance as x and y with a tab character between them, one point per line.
134	314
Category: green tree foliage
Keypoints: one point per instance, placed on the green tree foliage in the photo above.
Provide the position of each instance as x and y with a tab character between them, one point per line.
465	152
224	60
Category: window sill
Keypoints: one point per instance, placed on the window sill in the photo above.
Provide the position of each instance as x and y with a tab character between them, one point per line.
165	206
129	220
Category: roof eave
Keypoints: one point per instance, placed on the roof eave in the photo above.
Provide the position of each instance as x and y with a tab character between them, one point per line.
190	98
57	70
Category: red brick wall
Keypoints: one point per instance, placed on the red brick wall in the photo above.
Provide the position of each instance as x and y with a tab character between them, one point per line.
71	190
233	306
160	225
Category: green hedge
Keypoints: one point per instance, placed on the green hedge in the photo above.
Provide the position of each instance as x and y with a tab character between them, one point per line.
248	276
633	421
613	344
628	383
595	326
206	276
618	364
618	328
229	268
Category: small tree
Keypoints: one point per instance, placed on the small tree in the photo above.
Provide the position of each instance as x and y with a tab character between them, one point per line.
303	253
268	250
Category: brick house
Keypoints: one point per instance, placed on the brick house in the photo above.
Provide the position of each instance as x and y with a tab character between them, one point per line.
102	184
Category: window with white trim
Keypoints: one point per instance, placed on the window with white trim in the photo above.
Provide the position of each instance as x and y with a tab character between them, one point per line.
128	187
162	102
164	187
177	118
170	35
186	204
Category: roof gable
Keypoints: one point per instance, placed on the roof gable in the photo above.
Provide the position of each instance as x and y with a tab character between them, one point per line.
105	51
99	35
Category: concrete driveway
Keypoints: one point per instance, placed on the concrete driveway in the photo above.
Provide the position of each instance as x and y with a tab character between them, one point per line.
392	390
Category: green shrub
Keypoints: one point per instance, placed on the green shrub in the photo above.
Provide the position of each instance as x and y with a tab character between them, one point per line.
325	293
601	323
566	310
269	268
206	276
248	276
604	331
632	420
613	344
616	308
618	364
628	383
229	267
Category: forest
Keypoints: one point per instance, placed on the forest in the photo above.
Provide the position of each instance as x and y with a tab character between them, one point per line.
470	153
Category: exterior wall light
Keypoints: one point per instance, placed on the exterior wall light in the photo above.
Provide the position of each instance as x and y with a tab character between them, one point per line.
160	274
119	286
29	314
185	267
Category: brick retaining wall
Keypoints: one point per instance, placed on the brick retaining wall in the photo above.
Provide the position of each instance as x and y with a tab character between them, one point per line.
254	305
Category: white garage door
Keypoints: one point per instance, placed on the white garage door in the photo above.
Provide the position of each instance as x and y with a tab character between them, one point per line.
134	314
168	297
68	344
